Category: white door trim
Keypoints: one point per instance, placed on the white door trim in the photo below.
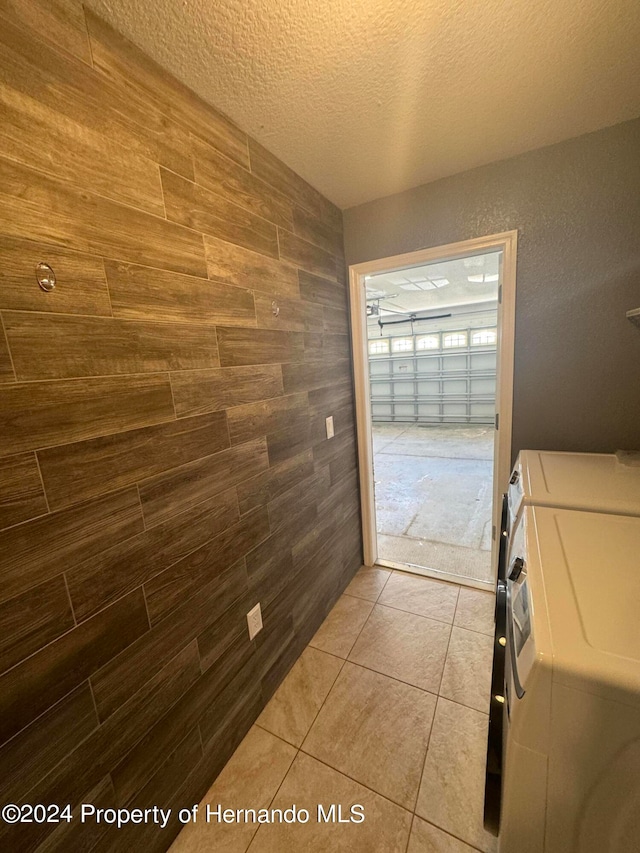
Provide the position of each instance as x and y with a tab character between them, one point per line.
507	241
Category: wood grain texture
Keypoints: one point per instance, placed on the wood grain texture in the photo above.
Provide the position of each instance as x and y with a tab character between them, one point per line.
118	681
263	488
197	392
60	21
305	255
50	413
43	679
315	288
83	767
61	347
7	373
137	76
164	776
274	172
244	268
197	208
81	284
258	419
184	578
76	835
39	747
113	573
21	493
294	314
81	156
184	487
335	320
33	619
258	346
142	293
238	185
305	377
91	223
85	469
38	550
123	598
316	231
60	83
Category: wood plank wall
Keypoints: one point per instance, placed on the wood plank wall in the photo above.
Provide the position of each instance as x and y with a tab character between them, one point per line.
163	460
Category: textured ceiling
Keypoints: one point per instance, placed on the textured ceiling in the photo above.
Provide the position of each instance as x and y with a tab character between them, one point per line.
365	98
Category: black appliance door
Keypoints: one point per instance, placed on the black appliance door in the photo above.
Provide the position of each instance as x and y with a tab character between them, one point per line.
497	717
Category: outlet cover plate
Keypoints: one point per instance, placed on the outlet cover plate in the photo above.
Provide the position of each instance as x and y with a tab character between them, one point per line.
254	621
329	423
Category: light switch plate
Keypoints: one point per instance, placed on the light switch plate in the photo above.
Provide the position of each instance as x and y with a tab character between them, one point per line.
254	621
329	423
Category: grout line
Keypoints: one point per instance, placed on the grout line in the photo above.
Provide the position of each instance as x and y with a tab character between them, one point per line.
66	585
6	340
44	491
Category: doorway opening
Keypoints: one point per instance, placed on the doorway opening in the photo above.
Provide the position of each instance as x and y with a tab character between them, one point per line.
433	355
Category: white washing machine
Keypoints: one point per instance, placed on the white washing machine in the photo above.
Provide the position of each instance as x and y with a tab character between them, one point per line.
570	705
592	482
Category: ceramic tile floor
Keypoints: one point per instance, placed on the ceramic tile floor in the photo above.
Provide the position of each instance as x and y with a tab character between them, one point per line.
387	707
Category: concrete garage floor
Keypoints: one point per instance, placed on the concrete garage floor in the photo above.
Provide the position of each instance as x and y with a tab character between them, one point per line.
433	495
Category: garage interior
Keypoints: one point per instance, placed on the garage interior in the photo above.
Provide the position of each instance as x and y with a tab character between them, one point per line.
432	341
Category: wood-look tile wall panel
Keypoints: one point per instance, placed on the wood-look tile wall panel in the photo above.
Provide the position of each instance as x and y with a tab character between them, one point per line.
31	620
239	186
91	223
134	74
255	419
37	70
266	486
316	231
259	346
274	172
61	21
38	550
306	255
244	268
102	580
82	287
7	373
44	414
163	456
141	293
38	682
191	205
82	157
58	347
79	471
293	314
196	392
184	487
21	492
39	747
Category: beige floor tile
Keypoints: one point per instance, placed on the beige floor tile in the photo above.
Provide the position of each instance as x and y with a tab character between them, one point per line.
250	779
467	670
424	596
339	631
426	838
405	646
452	788
369	582
375	730
385	828
295	704
475	610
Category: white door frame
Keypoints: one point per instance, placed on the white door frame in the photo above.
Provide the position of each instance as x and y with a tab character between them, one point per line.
507	241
